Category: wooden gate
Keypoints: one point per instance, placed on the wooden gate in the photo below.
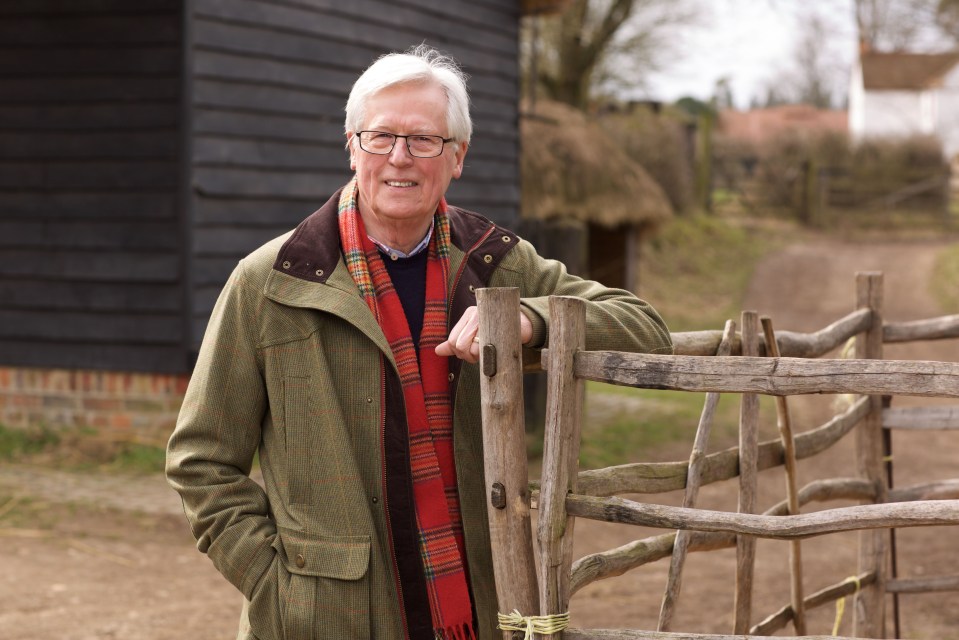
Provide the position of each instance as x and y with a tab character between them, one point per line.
750	362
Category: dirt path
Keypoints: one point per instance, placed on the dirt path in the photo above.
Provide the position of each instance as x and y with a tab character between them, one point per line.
91	557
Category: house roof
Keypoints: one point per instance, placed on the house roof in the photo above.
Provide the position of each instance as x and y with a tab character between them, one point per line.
571	169
906	71
759	126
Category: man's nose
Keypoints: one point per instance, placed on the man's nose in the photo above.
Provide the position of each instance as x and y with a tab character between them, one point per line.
401	152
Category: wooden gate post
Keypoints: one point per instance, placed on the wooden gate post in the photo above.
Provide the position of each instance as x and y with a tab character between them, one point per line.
748	481
870	614
564	417
504	451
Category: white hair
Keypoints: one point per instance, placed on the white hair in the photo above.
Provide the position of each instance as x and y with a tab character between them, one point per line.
421	63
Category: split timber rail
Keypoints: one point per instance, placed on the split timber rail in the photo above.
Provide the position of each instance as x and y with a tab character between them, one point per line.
752	361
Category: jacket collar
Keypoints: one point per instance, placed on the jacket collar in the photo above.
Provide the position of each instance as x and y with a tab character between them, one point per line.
309	270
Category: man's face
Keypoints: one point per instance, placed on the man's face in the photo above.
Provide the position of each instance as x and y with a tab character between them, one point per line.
398	189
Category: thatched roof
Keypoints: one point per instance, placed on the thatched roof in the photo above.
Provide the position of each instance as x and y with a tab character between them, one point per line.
572	169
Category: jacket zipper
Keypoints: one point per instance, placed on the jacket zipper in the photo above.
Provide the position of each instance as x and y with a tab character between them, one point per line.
386	504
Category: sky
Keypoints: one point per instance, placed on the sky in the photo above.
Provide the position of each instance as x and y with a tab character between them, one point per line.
750	42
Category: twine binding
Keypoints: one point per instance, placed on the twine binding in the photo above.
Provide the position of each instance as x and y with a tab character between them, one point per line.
544	625
841	604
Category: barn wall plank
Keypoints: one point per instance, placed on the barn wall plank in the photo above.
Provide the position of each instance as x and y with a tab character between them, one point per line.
91	251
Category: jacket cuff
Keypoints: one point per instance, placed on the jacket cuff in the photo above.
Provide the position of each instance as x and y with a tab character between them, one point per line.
536	309
244	551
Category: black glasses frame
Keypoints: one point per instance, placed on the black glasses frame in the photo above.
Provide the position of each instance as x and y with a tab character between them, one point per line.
359	139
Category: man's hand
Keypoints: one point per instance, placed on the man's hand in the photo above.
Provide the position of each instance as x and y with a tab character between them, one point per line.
463	341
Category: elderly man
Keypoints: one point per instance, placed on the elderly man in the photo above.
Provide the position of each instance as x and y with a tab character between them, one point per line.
336	352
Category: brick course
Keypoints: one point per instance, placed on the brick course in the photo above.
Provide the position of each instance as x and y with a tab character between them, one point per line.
140	406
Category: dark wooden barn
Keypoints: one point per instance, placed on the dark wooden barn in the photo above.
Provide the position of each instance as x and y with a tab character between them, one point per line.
146	146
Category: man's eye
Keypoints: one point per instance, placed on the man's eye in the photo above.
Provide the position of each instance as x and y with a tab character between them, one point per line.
421	139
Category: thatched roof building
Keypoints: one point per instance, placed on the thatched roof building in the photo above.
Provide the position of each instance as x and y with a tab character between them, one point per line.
573	170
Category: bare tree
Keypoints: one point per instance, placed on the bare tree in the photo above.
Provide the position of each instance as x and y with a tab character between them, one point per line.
815	73
602	45
947	18
897	25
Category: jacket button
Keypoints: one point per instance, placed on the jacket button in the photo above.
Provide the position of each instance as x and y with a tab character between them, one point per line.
507	239
451	377
286	264
300	560
487	258
319	273
375	500
369	400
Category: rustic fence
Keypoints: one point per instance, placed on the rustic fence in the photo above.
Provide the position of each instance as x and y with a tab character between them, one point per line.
752	361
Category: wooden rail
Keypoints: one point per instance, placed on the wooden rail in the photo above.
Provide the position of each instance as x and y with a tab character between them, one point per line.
784	616
813	345
770	376
921	418
629	634
616	562
870	516
660	477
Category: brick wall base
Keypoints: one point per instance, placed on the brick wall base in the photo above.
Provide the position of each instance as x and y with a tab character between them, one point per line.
141	406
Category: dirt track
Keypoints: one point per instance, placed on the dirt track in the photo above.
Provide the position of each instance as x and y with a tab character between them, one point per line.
91	557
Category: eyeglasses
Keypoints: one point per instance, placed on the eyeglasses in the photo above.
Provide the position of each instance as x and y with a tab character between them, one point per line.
420	146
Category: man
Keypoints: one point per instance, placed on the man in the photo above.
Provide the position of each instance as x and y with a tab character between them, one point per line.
329	353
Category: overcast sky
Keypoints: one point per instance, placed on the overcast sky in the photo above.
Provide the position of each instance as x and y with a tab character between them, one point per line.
750	42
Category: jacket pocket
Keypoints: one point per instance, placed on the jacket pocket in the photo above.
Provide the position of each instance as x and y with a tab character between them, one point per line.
296	419
328	595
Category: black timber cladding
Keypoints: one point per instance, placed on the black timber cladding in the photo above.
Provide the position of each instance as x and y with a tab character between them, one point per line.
91	237
269	83
143	151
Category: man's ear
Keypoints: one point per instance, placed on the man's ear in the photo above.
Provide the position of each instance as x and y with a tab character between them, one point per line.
352	147
460	155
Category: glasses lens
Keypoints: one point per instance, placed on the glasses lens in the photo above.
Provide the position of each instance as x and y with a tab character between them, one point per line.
425	146
376	141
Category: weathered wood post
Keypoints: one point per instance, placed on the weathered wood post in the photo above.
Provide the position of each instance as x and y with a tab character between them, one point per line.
748	481
504	451
784	423
869	619
564	416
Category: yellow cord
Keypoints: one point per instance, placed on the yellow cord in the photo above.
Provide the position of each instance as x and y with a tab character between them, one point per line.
841	604
546	625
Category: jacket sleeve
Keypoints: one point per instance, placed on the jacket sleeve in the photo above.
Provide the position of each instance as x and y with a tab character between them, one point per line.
615	318
211	451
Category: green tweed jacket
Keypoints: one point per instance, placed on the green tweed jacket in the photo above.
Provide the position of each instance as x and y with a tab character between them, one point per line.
294	367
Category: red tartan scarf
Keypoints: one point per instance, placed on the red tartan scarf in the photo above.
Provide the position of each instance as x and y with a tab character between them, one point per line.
429	413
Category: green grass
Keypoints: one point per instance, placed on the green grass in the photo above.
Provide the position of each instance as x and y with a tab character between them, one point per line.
945	281
138	458
642	421
18	443
79	449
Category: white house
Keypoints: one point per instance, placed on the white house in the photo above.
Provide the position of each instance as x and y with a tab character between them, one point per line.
904	94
